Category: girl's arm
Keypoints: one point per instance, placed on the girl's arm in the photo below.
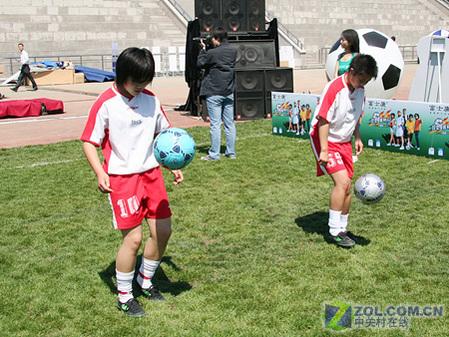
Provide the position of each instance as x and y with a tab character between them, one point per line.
92	157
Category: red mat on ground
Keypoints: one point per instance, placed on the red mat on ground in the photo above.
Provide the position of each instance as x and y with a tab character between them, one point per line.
30	107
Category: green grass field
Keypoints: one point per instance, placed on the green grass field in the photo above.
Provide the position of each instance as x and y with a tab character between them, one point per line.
248	256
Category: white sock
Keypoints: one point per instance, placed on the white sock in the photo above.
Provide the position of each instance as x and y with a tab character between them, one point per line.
146	272
334	222
124	285
344	222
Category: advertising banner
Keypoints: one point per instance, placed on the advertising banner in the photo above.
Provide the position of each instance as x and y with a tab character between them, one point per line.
419	128
292	113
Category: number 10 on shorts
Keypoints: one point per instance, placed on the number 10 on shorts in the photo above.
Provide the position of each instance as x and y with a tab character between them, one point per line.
129	206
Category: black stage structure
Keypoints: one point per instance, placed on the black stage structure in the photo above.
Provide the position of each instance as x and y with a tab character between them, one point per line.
257	70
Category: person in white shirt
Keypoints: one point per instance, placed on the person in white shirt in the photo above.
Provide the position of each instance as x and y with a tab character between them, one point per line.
25	69
400	129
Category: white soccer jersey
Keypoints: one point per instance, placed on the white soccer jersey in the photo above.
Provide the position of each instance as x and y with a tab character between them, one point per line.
125	128
341	108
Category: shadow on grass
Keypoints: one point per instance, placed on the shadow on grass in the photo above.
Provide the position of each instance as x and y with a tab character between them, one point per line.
316	223
160	278
205	149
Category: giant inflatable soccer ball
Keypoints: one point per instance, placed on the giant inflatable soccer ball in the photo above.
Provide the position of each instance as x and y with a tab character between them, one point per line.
387	55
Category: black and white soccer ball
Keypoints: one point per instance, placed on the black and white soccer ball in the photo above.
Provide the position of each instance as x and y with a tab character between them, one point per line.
385	51
369	188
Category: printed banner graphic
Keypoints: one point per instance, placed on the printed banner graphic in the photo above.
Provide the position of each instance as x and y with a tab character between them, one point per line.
418	128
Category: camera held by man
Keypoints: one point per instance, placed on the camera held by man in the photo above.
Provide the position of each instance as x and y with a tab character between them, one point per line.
205	40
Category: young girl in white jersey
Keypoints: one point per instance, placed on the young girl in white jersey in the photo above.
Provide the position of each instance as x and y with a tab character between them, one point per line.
124	121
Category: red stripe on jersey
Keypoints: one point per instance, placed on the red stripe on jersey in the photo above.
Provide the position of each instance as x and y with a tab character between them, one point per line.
329	97
165	115
144	277
148	92
107	150
90	124
89	141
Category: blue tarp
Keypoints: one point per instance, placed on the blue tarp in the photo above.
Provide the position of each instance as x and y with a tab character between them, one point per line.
95	75
47	64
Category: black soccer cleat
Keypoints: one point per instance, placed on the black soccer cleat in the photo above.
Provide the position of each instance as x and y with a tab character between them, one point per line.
343	240
131	308
153	294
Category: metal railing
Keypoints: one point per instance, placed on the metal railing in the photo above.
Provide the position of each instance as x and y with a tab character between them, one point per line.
181	10
409	53
168	63
298	43
444	3
103	62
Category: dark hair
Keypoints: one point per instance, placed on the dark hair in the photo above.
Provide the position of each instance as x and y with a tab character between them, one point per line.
135	64
20	44
416	115
393	38
352	37
364	64
220	34
392	115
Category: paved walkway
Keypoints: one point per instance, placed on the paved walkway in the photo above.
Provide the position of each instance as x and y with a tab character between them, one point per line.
78	98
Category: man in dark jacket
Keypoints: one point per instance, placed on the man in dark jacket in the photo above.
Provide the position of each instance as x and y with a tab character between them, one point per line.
217	87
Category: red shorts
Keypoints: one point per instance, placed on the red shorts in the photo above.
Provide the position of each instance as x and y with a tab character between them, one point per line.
138	196
340	158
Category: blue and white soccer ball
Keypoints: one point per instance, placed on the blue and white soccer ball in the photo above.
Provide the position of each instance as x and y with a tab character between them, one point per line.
369	188
174	148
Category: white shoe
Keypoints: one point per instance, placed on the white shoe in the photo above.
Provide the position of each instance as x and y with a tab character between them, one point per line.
418	148
401	148
388	144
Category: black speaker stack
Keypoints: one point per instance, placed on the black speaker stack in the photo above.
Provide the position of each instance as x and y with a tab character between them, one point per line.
257	71
234	16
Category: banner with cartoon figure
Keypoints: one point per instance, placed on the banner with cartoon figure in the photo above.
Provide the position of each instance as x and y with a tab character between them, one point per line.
419	128
292	113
